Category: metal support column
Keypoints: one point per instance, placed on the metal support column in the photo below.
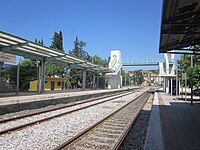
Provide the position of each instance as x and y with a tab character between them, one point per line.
93	82
84	79
171	86
125	79
1	64
164	85
185	87
17	87
42	76
177	82
97	81
38	76
168	85
104	79
191	82
179	86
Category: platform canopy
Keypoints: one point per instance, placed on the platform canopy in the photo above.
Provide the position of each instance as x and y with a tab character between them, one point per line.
18	46
180	27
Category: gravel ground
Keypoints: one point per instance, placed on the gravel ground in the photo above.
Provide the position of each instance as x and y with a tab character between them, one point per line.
10	115
49	134
11	124
135	139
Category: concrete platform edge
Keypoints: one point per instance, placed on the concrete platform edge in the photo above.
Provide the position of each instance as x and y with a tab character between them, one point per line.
154	139
34	98
38	101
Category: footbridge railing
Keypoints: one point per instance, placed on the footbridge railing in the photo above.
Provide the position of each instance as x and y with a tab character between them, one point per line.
115	65
141	62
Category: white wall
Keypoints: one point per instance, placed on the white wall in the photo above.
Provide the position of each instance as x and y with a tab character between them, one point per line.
114	80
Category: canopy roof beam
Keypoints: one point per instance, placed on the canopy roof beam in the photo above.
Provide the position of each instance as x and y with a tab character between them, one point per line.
22	47
180	25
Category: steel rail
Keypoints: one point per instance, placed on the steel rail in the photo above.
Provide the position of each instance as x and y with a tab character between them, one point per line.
55	116
121	139
75	138
53	109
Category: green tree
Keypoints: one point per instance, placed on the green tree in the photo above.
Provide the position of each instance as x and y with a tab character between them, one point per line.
76	74
60	41
54	69
28	72
126	78
78	50
184	66
39	41
99	61
139	77
57	41
51	68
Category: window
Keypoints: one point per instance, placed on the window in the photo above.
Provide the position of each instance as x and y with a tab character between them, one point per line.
59	83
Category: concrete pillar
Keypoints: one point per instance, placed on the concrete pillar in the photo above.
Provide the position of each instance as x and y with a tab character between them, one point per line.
42	76
93	82
84	79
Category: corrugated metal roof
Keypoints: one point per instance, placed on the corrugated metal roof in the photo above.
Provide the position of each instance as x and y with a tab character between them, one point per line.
180	26
22	47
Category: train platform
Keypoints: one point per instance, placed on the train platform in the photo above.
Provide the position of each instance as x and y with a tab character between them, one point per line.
25	101
174	123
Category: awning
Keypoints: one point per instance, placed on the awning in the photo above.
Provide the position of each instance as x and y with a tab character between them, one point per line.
18	46
180	26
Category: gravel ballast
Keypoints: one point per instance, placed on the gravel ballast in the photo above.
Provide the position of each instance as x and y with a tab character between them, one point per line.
137	134
49	134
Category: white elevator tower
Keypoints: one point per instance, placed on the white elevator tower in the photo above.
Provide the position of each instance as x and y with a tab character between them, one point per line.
166	71
114	79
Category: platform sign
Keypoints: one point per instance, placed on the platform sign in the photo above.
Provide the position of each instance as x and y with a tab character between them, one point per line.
5	57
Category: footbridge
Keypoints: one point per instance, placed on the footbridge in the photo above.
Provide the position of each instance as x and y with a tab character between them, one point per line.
141	62
15	45
114	79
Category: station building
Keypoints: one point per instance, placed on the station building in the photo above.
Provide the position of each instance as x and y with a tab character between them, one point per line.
51	83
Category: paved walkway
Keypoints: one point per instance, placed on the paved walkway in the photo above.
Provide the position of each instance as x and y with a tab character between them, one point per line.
47	96
178	121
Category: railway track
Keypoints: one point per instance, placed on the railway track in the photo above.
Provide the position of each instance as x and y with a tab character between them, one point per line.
55	108
109	132
8	125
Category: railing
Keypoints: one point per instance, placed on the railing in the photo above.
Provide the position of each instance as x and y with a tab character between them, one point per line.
112	63
141	61
115	65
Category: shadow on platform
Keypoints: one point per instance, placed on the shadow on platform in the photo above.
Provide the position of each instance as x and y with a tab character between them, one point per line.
180	124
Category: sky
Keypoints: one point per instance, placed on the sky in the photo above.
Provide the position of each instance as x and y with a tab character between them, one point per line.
131	26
